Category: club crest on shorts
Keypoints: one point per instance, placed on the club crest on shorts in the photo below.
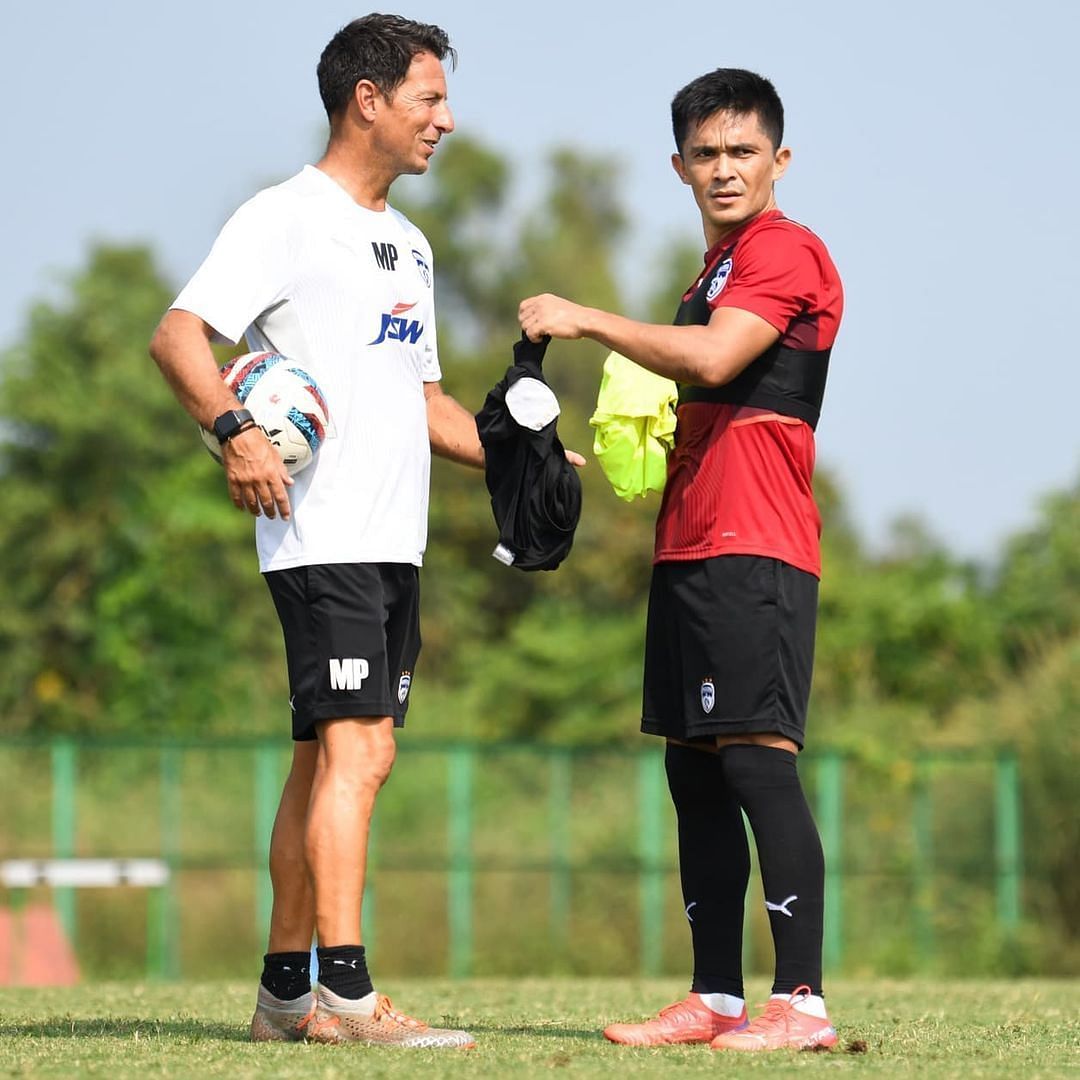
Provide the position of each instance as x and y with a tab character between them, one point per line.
708	695
403	686
718	282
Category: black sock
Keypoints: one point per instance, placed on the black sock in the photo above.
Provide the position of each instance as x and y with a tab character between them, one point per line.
343	969
287	975
766	782
714	866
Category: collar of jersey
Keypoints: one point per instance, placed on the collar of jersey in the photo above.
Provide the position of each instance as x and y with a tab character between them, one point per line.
734	237
346	199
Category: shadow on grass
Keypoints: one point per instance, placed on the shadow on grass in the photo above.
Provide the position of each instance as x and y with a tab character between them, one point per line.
66	1027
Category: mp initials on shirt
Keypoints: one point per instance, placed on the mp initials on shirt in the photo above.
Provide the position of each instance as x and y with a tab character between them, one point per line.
385	255
348	673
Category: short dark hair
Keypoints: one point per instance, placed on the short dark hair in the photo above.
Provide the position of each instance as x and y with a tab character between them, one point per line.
379	48
728	90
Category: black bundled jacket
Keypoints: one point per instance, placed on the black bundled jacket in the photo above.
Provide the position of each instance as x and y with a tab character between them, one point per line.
535	491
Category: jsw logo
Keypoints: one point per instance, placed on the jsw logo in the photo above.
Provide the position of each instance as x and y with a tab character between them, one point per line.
348	674
396	328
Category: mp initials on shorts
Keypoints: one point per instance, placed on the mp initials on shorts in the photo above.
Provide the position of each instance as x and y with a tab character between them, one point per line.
348	674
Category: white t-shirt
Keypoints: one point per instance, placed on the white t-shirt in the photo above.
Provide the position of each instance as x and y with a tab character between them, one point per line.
302	270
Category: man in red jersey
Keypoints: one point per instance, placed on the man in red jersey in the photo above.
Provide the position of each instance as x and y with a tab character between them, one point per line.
733	601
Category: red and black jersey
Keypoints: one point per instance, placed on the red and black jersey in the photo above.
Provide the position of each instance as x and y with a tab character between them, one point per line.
739	476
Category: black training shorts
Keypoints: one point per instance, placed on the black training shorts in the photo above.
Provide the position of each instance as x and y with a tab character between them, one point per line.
729	648
352	636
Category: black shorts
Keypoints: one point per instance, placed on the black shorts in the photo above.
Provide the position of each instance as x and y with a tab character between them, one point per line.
729	648
352	636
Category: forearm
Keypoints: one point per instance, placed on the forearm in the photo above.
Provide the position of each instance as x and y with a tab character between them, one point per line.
708	355
452	431
691	355
181	349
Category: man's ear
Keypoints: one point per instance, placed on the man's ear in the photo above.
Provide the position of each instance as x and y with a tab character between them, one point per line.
780	162
680	169
366	94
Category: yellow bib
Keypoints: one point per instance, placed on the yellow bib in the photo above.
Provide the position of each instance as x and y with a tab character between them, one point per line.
635	426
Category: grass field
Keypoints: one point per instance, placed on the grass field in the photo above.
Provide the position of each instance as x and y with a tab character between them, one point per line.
1028	1028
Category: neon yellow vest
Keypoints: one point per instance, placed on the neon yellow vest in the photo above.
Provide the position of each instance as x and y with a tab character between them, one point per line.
635	426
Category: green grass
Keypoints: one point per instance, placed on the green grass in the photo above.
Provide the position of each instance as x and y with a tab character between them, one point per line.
1028	1028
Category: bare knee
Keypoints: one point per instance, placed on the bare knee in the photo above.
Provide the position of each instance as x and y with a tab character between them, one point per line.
358	752
377	764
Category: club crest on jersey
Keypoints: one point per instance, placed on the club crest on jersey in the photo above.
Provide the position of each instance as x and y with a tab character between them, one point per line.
708	695
396	328
718	282
422	266
403	686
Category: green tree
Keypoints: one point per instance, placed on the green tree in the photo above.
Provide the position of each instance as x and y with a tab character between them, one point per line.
130	596
1037	592
913	625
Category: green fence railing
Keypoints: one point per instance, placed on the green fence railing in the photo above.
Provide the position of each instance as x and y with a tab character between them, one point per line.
473	813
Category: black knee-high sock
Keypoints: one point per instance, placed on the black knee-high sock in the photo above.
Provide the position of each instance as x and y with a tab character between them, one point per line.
714	865
765	780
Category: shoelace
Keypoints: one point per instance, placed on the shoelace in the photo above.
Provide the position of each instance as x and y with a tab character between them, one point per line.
385	1007
776	1016
301	1025
679	1010
315	1026
678	1007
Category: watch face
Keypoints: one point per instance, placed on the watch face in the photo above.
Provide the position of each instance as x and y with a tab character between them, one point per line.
224	425
227	424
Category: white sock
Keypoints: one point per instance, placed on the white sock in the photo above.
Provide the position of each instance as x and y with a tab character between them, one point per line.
364	1006
811	1004
724	1004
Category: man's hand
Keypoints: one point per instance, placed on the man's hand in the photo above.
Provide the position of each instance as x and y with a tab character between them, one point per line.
256	475
552	316
575	459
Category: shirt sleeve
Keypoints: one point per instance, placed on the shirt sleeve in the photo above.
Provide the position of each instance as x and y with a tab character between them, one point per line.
246	272
776	275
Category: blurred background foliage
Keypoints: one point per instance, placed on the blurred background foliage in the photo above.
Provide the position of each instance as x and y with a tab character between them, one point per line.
130	600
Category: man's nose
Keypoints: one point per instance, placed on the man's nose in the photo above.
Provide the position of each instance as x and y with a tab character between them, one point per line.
723	167
444	120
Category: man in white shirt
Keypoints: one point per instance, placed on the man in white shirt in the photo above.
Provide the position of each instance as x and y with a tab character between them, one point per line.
322	270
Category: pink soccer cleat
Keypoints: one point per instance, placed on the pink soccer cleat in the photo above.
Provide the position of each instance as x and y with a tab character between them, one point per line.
781	1026
687	1021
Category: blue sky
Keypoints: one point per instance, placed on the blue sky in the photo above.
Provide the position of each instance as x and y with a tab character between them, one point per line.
934	152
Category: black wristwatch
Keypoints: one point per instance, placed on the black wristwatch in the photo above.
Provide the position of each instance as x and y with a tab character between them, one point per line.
231	423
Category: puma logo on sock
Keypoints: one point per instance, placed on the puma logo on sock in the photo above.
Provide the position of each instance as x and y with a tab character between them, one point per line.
781	907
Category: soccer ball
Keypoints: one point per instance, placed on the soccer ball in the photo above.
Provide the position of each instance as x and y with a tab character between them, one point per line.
285	401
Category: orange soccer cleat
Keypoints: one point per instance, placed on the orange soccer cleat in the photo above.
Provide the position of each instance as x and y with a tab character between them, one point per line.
276	1020
781	1025
687	1021
341	1020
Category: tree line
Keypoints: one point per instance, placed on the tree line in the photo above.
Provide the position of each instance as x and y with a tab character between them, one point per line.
131	601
